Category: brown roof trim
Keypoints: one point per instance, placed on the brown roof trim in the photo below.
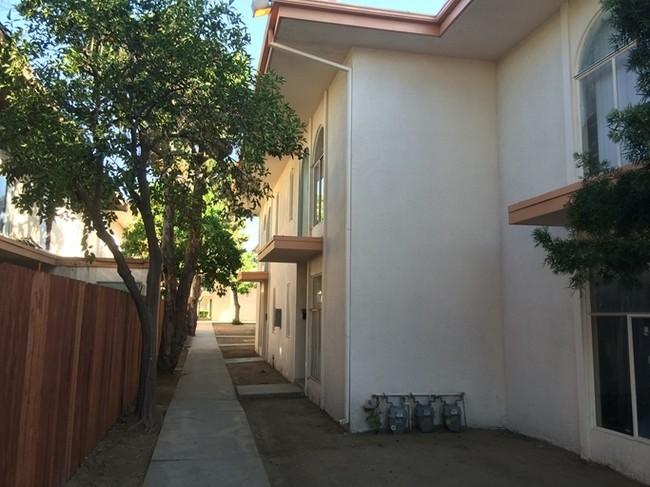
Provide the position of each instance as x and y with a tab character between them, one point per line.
355	16
544	209
253	276
289	249
16	252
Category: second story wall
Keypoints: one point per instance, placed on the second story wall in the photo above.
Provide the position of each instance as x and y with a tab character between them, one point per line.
425	253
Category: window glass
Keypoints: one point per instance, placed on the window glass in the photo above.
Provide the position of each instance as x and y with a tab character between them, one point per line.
318	181
613	396
605	84
597	46
615	298
597	102
621	346
304	196
641	340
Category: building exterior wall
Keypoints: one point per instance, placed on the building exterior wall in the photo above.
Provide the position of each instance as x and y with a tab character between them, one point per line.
282	277
535	157
335	252
548	357
221	309
102	275
425	250
427	288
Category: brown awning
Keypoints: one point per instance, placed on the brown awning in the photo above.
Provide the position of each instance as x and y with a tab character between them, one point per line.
283	248
545	209
253	276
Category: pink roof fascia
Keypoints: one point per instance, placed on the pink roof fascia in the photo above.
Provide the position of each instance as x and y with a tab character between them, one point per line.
355	16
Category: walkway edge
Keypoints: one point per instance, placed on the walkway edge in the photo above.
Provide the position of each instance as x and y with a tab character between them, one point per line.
205	438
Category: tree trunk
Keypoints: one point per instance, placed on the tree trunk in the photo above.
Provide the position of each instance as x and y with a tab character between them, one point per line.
183	293
146	407
147	404
192	250
235	298
192	306
147	309
166	363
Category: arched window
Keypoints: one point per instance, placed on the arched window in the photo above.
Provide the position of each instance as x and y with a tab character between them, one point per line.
605	84
318	180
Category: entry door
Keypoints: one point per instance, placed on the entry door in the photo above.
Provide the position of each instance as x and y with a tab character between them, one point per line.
314	338
263	322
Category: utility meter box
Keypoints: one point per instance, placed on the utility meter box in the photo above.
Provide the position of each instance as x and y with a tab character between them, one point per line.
424	418
397	419
452	415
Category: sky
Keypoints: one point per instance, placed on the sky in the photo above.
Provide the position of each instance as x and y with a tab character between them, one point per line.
256	26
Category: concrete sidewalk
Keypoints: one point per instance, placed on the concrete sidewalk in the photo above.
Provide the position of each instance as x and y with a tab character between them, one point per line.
205	439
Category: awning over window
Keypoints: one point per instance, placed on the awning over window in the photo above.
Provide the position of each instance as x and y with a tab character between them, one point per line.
283	248
253	276
545	209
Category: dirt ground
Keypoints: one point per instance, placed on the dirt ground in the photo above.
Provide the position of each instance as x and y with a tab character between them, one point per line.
301	446
122	458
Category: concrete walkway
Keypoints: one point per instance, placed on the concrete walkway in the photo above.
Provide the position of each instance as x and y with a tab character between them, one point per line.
205	439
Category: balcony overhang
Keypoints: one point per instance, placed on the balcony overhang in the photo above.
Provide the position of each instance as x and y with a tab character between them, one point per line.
289	249
546	209
253	276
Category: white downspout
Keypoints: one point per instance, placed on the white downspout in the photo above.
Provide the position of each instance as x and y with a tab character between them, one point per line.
348	214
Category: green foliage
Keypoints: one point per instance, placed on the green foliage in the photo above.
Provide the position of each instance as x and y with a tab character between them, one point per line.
373	419
111	100
609	216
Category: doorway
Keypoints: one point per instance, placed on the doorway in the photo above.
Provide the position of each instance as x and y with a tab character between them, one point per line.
314	335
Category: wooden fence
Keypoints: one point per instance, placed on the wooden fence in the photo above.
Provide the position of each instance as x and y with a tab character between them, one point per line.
69	360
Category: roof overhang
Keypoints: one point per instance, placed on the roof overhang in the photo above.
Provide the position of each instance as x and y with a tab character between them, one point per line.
18	253
283	248
471	29
253	276
546	209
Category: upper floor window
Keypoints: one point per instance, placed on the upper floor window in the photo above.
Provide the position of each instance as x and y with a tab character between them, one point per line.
605	84
318	180
303	206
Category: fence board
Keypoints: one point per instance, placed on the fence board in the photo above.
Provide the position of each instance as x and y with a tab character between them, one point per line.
13	345
69	362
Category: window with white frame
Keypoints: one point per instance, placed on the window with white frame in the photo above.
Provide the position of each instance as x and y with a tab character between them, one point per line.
620	323
318	180
605	84
303	206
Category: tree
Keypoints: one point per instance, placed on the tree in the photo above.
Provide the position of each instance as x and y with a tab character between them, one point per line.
609	216
219	259
249	262
106	97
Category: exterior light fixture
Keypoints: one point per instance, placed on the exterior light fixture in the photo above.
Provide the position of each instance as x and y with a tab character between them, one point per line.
261	7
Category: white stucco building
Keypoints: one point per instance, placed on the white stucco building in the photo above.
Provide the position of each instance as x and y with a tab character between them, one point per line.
398	256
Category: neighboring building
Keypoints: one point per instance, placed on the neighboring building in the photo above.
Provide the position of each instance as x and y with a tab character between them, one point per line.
23	242
398	257
221	309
